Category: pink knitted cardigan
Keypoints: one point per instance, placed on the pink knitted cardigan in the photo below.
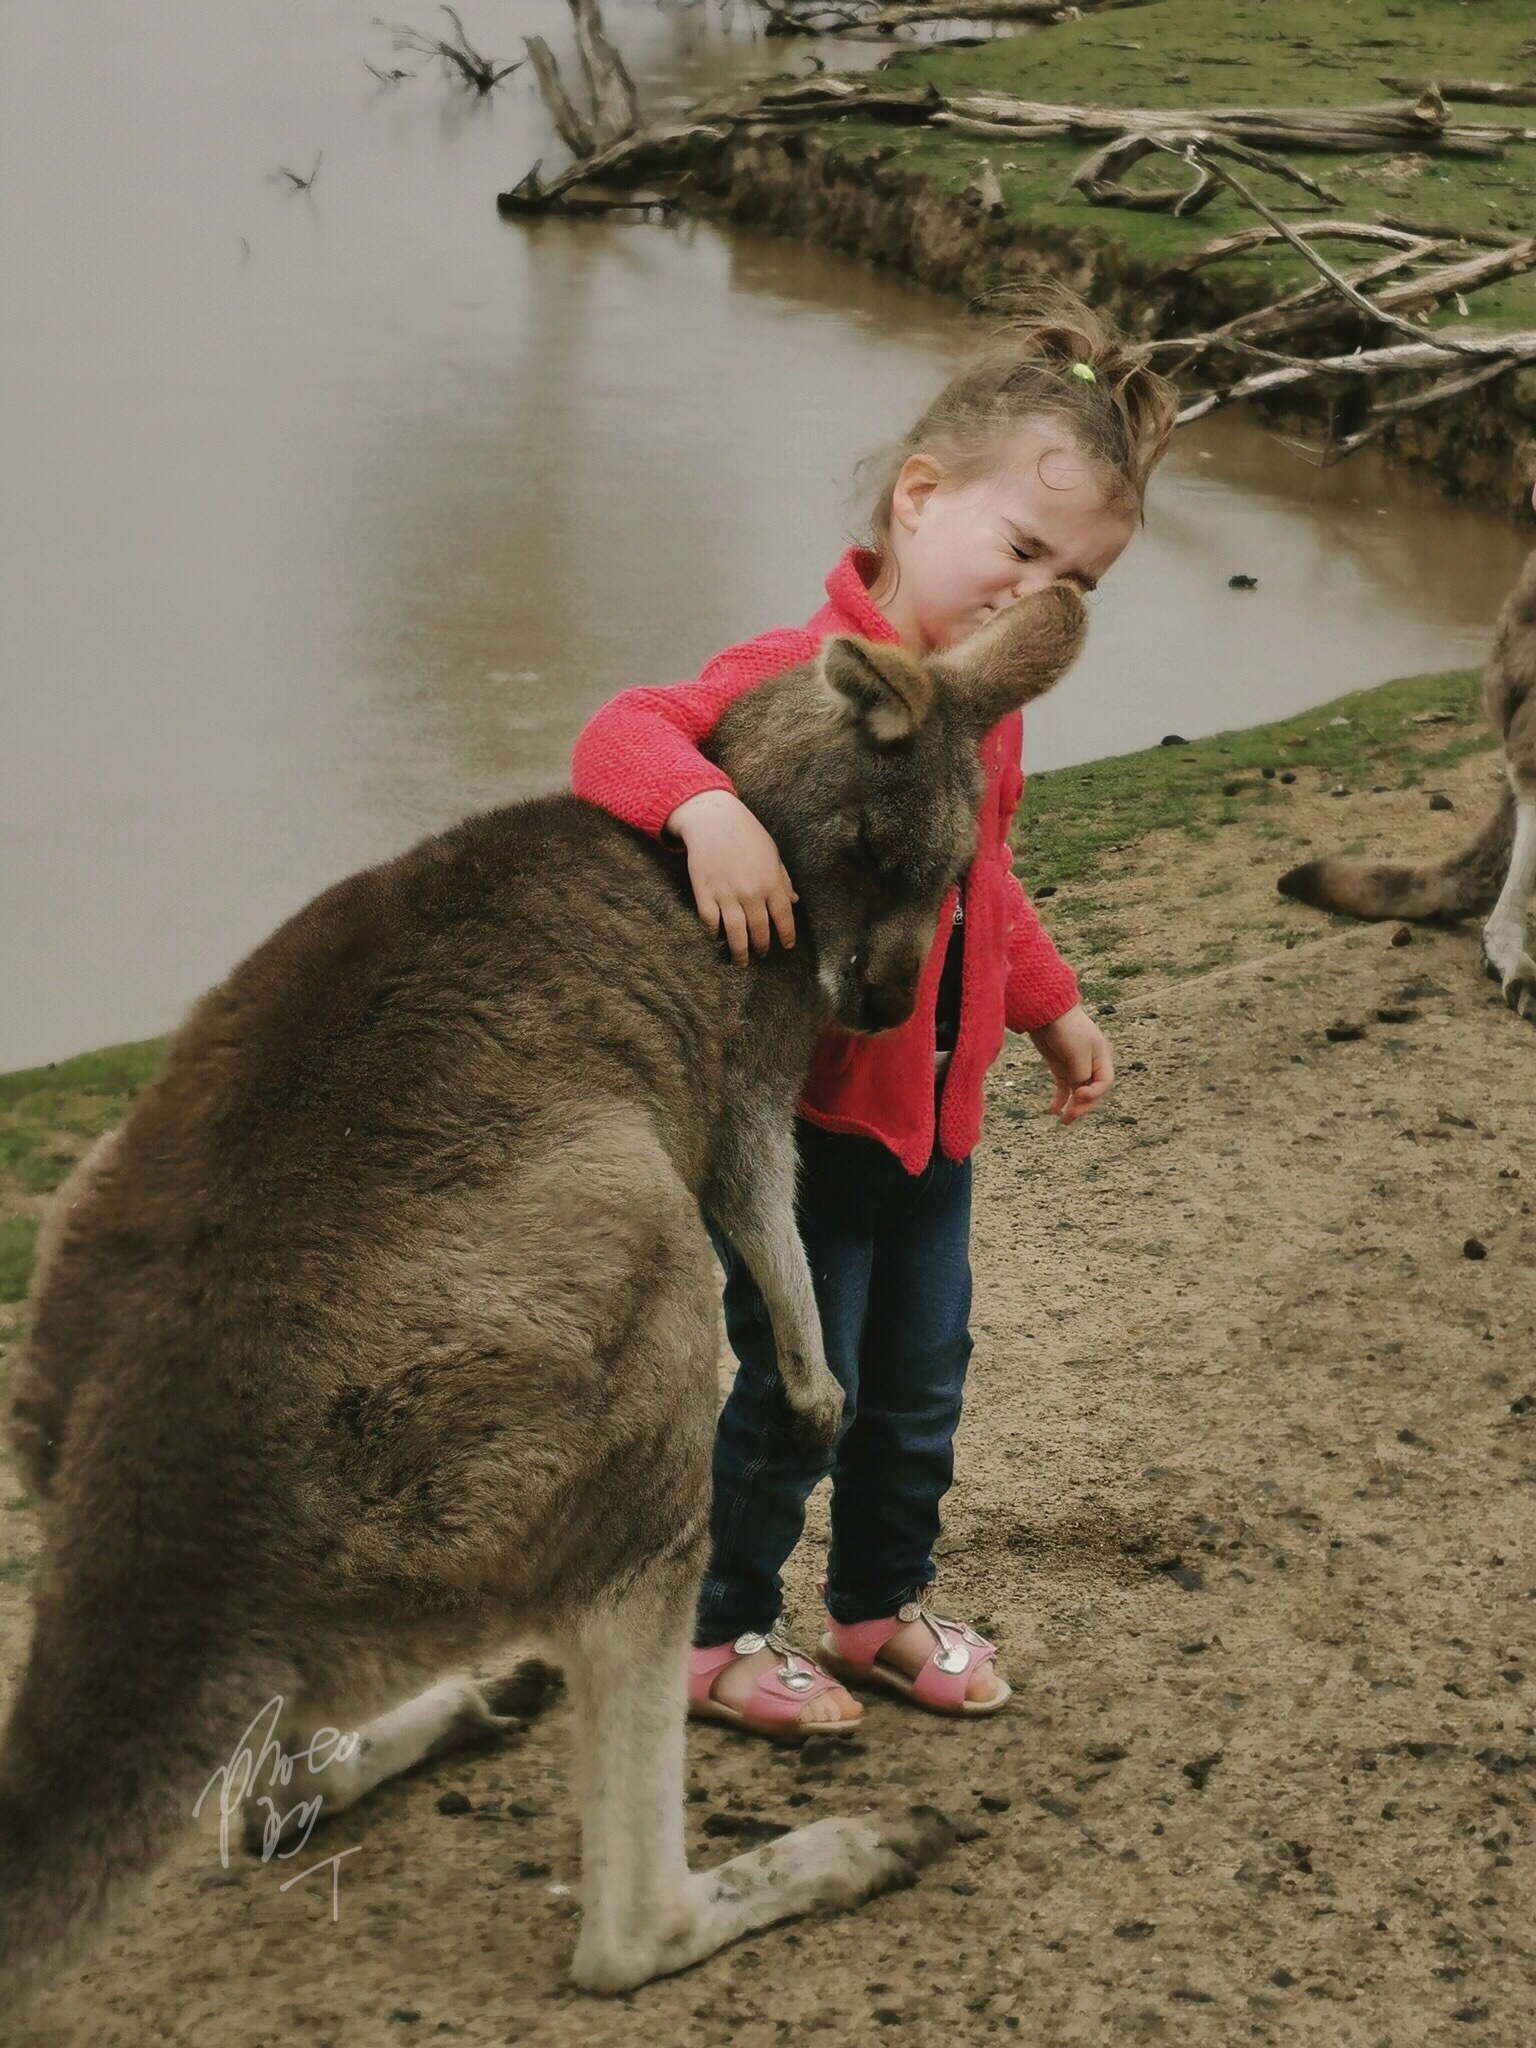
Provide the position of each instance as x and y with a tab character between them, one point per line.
638	758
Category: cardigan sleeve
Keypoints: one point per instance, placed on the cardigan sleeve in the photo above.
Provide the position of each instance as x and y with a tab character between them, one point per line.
638	756
1041	986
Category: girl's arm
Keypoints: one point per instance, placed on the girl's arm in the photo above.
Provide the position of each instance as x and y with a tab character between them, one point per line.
638	757
1041	986
1042	999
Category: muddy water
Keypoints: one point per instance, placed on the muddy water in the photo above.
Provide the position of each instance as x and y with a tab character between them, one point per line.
327	516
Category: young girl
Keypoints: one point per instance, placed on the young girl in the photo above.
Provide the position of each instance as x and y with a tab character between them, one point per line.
1030	466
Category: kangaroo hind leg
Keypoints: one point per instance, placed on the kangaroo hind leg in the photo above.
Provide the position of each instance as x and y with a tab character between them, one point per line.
645	1914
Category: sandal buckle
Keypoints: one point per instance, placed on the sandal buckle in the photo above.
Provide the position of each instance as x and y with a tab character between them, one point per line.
748	1644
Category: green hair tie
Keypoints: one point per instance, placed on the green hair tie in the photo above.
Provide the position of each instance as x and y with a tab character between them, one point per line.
1085	371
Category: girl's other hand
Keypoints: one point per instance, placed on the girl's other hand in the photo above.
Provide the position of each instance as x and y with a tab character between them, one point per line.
1077	1053
739	883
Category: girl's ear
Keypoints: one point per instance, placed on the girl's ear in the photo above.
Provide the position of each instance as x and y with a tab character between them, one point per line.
916	481
888	692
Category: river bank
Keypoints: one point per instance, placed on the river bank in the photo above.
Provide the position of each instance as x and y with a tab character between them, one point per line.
899	196
1244	1489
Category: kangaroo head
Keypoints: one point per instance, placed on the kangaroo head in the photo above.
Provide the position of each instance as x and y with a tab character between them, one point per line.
864	767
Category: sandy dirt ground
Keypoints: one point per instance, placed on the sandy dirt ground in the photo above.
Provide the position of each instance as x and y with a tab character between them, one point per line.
1246	1485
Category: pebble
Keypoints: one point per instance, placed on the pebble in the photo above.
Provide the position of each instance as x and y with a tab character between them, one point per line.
1342	1032
1439	801
1242	583
1289	775
1233	788
453	1802
1268	774
1339	789
1474	1248
1390	1014
1402	936
1173	739
1045	889
1523	1405
1134	1930
1201	1768
993	1802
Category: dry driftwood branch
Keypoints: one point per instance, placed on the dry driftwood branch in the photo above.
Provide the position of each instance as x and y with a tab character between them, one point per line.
574	131
1488	91
301	184
1500	352
1101	178
1247	240
1387	413
1421	124
824	17
600	183
1465	362
1316	306
1499	263
615	107
483	73
829	17
615	103
1491	238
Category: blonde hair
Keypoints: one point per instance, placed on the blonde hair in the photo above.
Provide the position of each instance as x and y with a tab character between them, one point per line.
1036	366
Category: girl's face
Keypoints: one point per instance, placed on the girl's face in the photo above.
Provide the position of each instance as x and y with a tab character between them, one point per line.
959	551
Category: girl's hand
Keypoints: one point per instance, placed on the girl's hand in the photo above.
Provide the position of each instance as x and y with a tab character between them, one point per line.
739	882
1077	1053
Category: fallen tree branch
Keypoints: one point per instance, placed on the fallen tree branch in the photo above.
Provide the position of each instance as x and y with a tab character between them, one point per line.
1388	412
1421	124
830	17
1101	178
1246	240
611	97
670	149
1485	90
483	73
1519	257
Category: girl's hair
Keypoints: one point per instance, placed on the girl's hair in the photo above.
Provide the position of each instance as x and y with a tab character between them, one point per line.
1121	416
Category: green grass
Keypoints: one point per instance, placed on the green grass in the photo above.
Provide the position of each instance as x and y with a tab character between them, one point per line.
1068	820
18	1237
47	1117
1246	53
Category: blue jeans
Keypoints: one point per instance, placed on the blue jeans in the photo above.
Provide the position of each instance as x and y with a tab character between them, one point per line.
888	1252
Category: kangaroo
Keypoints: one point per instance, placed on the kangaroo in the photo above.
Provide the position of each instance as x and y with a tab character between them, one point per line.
382	1334
1496	872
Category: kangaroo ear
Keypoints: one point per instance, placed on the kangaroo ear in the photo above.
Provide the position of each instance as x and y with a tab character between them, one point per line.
888	691
1016	656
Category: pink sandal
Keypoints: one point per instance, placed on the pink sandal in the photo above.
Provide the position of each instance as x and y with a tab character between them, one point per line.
780	1695
850	1651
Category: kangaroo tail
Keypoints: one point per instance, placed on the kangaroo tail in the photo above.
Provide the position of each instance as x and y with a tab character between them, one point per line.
102	1766
1465	885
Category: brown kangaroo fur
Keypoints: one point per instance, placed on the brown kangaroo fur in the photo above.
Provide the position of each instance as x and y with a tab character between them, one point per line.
382	1335
1496	872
